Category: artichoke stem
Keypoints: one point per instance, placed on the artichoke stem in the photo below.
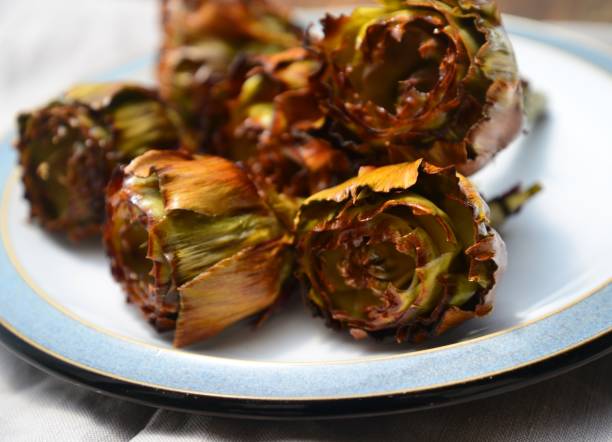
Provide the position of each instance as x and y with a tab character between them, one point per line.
511	202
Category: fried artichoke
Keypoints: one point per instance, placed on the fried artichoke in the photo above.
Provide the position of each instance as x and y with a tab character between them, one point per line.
204	57
403	250
193	244
275	127
411	79
68	149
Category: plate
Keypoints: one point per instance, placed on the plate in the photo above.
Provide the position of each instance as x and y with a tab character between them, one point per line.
60	308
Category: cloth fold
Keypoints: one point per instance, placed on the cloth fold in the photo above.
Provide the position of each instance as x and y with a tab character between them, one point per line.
575	406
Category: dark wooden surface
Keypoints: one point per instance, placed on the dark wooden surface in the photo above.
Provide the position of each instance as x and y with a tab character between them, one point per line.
590	10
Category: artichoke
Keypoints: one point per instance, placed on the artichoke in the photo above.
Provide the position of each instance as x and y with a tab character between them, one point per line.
204	57
69	148
275	127
411	79
193	244
403	250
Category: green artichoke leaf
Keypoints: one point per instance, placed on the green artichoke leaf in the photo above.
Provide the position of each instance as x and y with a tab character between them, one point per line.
425	292
146	195
464	290
193	242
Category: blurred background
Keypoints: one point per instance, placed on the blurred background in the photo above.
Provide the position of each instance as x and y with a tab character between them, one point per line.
590	10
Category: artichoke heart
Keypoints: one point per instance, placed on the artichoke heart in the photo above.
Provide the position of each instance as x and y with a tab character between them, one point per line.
404	250
193	244
411	79
68	149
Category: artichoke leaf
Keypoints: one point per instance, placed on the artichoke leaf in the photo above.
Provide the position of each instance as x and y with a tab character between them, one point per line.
233	289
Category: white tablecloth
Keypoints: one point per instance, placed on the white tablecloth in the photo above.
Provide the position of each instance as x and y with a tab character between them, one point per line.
45	46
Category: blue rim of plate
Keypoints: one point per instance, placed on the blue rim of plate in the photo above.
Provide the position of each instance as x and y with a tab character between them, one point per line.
60	343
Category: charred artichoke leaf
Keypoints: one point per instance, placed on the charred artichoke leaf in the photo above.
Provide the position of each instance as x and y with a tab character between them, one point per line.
183	231
68	148
421	79
204	57
276	127
404	250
